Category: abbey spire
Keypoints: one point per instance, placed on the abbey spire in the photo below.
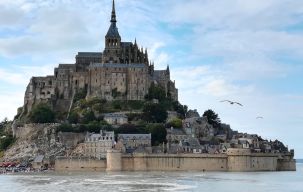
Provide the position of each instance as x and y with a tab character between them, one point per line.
113	32
113	19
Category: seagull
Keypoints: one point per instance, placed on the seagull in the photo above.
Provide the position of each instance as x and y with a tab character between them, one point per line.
259	117
232	102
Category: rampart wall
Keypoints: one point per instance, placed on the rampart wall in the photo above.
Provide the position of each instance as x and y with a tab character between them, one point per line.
234	160
79	164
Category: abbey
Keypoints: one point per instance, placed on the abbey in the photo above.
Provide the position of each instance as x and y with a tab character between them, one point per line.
122	71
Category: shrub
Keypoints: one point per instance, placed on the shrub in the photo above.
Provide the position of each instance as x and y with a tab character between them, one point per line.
175	123
65	128
73	117
42	113
80	94
6	142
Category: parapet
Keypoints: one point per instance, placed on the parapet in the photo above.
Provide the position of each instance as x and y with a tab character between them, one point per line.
236	152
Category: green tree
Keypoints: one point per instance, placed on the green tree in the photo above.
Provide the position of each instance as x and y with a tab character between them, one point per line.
154	113
129	129
88	116
212	118
158	133
42	113
73	117
180	109
155	92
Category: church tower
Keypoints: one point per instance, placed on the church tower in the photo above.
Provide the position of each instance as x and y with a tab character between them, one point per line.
112	40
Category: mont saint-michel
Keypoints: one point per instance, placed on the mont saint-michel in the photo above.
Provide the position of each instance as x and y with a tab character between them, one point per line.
115	111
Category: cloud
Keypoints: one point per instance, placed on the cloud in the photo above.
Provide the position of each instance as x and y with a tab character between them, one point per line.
216	49
160	58
10	17
236	14
9	103
20	75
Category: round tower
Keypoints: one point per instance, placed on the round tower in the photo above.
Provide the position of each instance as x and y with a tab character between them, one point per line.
114	160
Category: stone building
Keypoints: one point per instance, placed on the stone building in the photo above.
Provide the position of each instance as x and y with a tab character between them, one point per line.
115	118
198	127
96	145
175	135
122	71
132	142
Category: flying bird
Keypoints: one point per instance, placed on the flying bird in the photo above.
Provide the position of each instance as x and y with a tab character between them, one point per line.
259	117
232	102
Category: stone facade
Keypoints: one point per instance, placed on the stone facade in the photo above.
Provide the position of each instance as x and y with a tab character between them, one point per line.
96	145
175	135
132	142
122	71
115	118
198	127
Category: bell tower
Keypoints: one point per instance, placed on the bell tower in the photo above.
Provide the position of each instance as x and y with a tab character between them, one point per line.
112	40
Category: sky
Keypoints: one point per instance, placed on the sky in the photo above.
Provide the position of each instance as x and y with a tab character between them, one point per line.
246	51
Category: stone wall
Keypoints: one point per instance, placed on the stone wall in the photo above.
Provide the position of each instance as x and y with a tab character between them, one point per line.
79	164
244	160
29	129
286	165
71	140
172	162
234	160
241	160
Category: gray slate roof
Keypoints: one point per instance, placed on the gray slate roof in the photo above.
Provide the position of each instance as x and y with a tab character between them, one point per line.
116	115
134	136
113	31
126	44
39	159
89	54
112	65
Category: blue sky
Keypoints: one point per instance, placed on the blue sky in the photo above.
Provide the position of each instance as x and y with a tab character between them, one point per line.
249	51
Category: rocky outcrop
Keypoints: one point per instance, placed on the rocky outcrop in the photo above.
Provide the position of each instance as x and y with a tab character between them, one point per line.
33	140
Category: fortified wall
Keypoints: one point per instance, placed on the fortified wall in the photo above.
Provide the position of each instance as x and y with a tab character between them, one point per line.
79	164
234	160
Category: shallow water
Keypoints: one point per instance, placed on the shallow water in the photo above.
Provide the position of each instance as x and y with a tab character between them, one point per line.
154	181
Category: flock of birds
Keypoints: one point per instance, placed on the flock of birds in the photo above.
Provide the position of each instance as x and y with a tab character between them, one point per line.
237	103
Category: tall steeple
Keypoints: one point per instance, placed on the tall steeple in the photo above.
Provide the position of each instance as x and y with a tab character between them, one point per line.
113	30
113	19
112	40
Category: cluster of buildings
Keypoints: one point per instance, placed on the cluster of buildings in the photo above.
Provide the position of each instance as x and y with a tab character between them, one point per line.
122	71
97	145
196	136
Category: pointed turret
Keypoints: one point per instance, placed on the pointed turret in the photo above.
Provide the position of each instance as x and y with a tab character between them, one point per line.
167	70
